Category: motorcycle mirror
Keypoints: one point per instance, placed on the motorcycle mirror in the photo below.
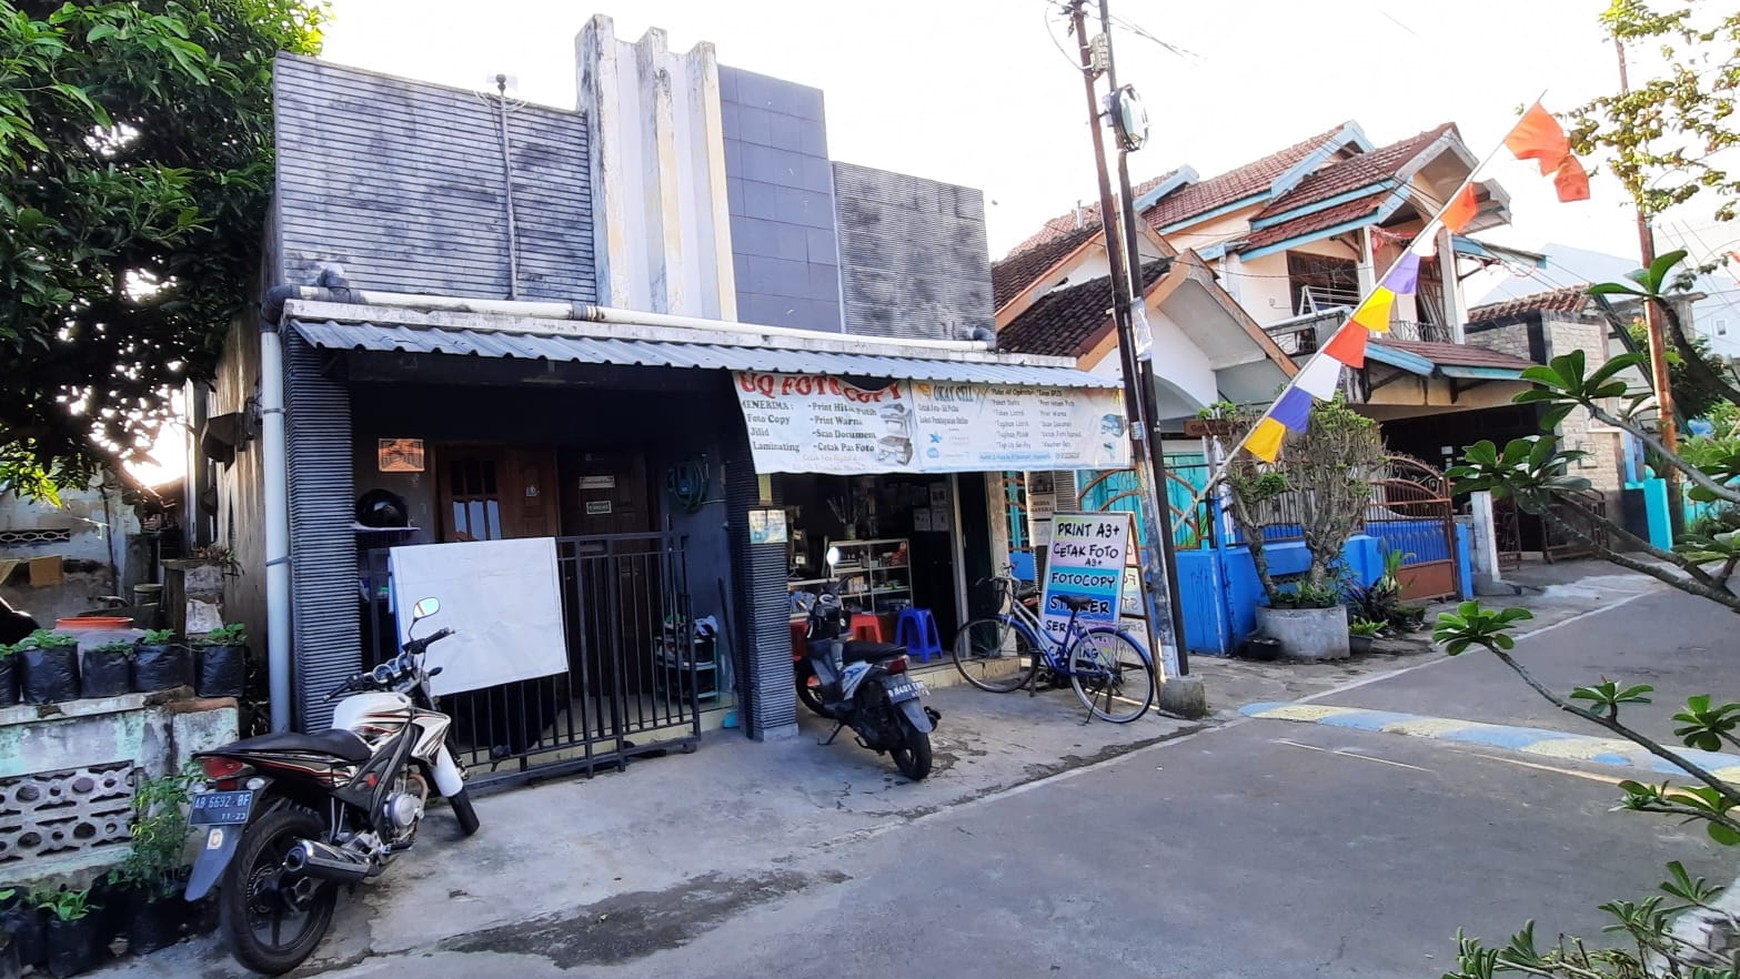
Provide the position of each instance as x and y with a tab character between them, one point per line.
833	557
425	608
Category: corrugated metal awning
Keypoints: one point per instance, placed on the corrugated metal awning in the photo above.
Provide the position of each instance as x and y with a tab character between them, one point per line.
385	338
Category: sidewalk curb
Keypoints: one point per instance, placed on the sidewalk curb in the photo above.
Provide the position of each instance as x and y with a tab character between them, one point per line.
1544	742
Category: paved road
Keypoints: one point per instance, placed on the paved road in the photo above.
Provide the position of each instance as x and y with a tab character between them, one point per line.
1264	848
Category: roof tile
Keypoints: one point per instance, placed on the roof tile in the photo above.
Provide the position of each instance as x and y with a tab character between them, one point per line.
1456	354
1255	177
1570	299
1022	266
1315	221
1361	170
1068	322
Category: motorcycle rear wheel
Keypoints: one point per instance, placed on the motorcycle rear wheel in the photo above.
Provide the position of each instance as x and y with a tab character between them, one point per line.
256	894
912	757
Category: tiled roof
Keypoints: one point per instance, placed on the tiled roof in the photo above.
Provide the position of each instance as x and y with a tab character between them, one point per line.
1361	170
1236	184
1088	216
1068	322
1456	354
1329	217
1570	299
1017	272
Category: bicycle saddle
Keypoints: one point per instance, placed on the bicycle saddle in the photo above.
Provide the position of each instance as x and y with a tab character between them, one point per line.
1075	603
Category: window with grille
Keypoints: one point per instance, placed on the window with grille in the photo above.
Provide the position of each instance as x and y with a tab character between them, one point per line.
474	498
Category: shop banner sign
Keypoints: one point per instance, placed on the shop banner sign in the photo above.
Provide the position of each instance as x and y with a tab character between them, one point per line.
819	423
1088	554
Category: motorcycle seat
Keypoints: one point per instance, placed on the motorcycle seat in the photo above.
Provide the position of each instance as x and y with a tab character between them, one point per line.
872	652
336	742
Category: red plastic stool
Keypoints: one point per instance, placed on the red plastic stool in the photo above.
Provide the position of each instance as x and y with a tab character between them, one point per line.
867	627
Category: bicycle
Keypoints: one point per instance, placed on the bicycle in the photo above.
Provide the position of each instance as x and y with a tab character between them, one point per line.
1108	669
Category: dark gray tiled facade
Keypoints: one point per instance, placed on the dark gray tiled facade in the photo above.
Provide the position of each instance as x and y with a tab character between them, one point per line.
781	190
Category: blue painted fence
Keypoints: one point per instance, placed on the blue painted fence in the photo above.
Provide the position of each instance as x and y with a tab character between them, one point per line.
1219	592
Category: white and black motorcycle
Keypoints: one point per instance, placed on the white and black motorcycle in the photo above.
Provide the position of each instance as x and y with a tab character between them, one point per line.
864	686
287	818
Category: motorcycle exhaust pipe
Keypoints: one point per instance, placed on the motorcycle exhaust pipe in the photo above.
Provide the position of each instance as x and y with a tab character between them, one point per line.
325	862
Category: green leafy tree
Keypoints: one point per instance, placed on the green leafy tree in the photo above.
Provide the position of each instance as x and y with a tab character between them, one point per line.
1664	138
1536	474
1692	398
135	171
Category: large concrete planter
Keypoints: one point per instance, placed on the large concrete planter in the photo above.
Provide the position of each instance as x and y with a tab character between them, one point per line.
1306	633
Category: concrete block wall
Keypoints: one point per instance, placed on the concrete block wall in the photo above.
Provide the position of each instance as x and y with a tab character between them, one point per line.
1603	465
912	255
780	190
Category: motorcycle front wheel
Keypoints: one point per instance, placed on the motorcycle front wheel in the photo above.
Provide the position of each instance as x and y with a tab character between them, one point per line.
273	921
810	695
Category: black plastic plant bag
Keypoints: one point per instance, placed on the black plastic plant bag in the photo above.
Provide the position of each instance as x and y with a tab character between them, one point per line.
51	676
162	667
104	673
8	680
222	670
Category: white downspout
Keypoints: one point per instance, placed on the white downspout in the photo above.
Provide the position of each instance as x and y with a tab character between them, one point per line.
274	463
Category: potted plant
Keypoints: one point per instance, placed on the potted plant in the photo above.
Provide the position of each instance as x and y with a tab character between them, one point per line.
106	670
50	667
1322	484
8	675
16	932
160	663
110	893
72	935
1361	633
154	861
223	662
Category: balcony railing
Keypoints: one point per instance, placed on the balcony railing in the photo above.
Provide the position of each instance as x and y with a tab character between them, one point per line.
1427	332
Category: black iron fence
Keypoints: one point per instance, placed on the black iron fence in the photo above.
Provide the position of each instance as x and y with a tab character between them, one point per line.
636	668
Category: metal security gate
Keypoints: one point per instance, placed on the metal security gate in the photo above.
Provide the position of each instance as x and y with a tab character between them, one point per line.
632	681
1411	512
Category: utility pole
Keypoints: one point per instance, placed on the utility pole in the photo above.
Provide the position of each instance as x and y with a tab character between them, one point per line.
1159	580
1667	421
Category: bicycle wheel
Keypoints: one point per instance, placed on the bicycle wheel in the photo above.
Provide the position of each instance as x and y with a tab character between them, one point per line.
1111	675
994	655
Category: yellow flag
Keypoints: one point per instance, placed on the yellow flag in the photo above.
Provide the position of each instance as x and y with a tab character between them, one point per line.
1265	440
1374	313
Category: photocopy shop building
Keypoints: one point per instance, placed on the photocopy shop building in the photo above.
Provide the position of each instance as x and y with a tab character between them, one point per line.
515	322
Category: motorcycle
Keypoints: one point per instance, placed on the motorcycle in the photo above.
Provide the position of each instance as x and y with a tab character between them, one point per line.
288	817
864	686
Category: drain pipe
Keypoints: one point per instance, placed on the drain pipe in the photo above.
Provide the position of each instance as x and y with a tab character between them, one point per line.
274	465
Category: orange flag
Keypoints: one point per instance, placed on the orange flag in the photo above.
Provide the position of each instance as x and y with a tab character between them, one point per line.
1538	136
1572	181
1348	345
1461	210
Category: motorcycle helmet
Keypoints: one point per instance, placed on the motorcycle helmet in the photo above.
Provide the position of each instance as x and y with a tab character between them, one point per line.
382	509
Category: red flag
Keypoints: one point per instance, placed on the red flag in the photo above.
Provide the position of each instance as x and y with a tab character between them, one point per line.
1348	345
1461	210
1572	181
1538	136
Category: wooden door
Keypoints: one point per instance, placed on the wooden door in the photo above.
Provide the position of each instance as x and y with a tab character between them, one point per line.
493	492
605	493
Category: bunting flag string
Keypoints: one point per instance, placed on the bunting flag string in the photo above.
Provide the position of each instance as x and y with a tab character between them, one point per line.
1537	136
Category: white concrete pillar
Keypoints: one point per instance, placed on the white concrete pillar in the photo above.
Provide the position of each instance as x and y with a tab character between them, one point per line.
1484	532
1455	310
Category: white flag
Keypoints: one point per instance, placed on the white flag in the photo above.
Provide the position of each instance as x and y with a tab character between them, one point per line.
1143	333
1320	378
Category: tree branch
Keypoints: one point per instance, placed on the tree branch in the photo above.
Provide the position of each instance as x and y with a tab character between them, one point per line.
1696	475
1694	362
1720	596
1728	792
1680	561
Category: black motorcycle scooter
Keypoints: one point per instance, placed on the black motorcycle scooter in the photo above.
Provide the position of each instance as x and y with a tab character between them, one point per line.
864	686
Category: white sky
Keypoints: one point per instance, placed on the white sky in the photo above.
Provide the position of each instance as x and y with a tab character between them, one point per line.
975	92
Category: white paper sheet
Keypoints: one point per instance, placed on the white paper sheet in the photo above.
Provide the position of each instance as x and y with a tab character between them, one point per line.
501	599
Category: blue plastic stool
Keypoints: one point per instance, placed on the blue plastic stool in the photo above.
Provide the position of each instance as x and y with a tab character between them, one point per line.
916	630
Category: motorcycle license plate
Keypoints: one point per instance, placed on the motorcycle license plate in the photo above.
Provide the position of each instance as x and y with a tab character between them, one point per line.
221	808
905	690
